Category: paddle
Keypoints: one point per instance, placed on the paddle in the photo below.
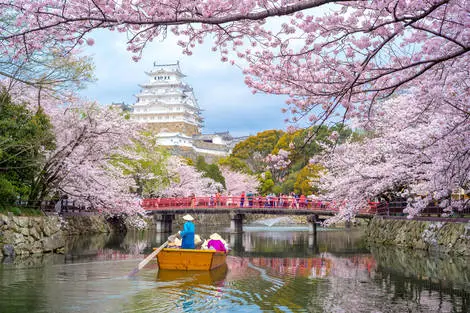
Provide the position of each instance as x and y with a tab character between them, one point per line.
147	259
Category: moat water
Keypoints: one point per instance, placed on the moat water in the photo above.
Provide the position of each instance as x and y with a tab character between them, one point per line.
270	269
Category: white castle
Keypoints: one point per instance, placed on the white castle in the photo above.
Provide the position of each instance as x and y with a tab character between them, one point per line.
168	105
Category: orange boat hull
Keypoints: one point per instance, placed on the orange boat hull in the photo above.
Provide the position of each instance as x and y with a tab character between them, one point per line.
190	260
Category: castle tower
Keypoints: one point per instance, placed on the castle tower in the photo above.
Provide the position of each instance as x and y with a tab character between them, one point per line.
166	104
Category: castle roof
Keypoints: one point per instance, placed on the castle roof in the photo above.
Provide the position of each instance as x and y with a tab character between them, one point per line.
165	69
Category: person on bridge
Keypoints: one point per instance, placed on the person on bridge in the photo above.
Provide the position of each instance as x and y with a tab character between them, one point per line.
187	234
242	199
217	198
303	201
193	200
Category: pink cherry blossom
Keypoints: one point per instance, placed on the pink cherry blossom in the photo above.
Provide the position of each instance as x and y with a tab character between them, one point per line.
237	182
278	164
87	137
417	150
400	61
186	181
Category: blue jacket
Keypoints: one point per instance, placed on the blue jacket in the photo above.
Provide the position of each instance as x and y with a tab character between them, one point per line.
187	236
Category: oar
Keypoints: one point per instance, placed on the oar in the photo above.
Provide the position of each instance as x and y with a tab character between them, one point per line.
147	259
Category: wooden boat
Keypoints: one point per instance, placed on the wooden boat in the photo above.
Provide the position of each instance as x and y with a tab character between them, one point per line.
190	259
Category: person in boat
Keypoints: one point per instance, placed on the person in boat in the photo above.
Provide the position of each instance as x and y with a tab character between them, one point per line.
174	242
198	241
187	234
216	242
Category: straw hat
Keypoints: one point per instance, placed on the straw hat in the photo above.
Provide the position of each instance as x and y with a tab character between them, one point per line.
215	236
188	217
174	241
197	239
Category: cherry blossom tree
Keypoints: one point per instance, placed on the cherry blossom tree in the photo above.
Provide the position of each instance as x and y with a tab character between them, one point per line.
417	149
88	138
186	180
145	161
329	57
47	68
278	164
238	182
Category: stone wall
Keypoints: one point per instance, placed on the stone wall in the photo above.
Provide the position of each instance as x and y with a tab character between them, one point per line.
24	235
210	146
175	127
92	224
444	237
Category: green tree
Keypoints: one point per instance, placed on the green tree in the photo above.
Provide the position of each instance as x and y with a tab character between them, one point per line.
255	148
148	169
305	143
287	185
266	183
263	143
305	181
25	138
235	164
210	170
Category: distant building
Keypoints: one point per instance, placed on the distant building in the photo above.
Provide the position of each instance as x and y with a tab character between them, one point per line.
168	105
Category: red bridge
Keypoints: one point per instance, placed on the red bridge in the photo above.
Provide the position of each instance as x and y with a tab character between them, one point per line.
164	209
255	204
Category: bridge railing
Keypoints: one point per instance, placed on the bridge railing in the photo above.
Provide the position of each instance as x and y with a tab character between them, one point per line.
252	202
395	208
50	206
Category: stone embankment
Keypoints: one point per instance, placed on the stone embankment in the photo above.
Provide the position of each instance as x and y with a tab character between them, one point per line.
21	235
24	235
443	237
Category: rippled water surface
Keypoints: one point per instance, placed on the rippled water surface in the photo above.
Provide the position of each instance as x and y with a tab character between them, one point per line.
271	269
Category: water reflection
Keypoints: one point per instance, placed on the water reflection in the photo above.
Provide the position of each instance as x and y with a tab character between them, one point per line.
283	241
440	282
199	277
446	271
278	270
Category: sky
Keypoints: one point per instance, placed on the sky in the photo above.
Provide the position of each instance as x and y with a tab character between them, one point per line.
227	103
